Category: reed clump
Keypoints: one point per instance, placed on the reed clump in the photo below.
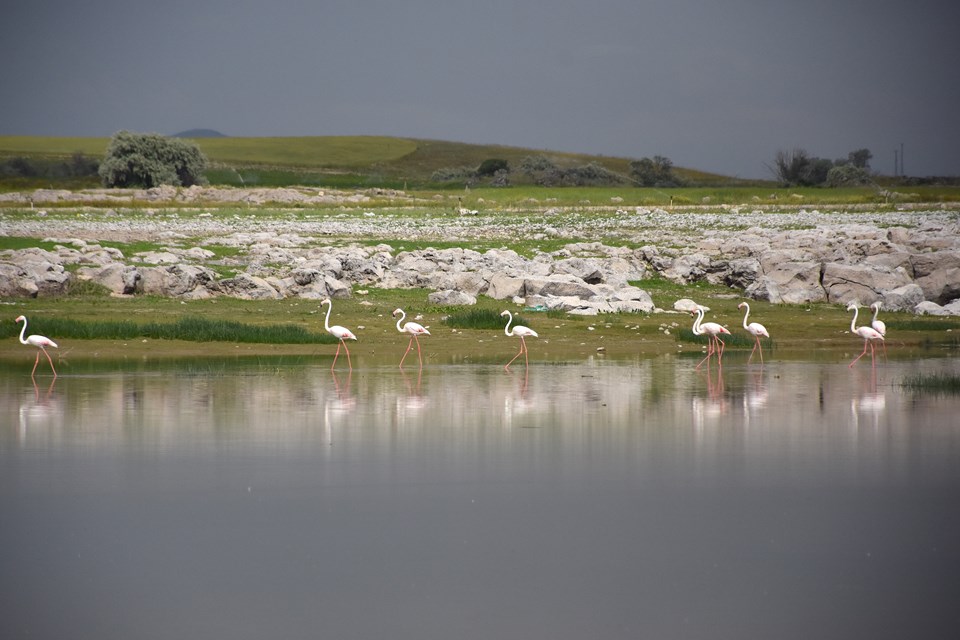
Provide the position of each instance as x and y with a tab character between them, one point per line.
194	329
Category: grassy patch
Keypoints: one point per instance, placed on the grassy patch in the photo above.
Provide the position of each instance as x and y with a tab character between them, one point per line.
192	329
934	383
481	319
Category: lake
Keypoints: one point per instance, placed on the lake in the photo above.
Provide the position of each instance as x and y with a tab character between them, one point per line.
271	498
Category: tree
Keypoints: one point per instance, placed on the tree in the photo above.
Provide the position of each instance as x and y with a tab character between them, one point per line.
847	175
655	172
150	159
492	166
860	158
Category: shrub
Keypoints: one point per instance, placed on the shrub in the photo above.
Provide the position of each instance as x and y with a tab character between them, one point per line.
492	166
847	175
149	160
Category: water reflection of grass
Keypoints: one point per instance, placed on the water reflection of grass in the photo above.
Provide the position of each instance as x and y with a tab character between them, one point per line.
934	383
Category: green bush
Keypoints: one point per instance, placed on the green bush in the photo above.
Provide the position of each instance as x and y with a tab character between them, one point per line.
149	160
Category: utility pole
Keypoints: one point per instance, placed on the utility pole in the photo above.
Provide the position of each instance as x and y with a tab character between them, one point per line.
902	172
896	166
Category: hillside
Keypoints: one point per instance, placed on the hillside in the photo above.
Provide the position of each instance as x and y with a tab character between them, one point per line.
357	160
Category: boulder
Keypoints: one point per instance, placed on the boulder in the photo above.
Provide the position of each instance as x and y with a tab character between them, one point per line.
925	264
179	280
16	283
941	286
558	285
904	298
450	297
791	283
930	309
845	283
115	276
502	287
249	287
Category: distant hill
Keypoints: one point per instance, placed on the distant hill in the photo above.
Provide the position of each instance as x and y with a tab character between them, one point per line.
199	133
347	161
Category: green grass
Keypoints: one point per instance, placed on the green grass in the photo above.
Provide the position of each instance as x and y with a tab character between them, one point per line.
947	383
481	319
194	329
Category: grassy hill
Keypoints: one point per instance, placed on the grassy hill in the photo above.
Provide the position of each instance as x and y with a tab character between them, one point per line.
335	161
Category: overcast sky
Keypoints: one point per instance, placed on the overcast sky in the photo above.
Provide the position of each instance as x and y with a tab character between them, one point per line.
717	85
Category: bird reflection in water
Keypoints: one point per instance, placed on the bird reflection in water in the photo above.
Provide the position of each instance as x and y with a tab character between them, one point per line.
870	404
414	400
755	395
40	411
715	404
339	403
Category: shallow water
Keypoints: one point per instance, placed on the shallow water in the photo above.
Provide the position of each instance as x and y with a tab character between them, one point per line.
251	499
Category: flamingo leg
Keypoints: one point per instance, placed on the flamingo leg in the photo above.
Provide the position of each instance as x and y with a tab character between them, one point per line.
409	346
35	363
709	351
859	356
507	366
526	358
721	345
419	354
348	354
336	355
48	360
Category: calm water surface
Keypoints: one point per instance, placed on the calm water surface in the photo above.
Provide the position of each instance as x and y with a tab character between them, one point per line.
641	499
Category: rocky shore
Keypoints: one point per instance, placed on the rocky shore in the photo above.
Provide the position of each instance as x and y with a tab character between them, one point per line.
908	258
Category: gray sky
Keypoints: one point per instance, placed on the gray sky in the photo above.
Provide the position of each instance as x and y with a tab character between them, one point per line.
717	85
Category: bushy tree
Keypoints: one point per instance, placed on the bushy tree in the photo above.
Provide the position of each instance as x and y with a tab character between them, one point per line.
491	166
149	160
847	175
654	172
860	158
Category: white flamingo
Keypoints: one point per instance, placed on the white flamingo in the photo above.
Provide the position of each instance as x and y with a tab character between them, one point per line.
521	332
869	334
713	332
755	329
338	332
40	342
415	330
879	326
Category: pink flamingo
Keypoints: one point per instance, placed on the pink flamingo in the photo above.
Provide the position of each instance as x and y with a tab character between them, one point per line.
755	329
40	342
879	326
414	330
522	332
338	332
713	331
869	334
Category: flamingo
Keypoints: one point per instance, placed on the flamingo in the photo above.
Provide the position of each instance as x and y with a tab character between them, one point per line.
879	326
40	342
869	334
755	329
713	331
338	332
522	332
414	330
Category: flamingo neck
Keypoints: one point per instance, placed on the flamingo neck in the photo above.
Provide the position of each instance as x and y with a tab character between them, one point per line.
403	314
853	322
23	331
506	329
876	312
696	323
326	320
746	314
